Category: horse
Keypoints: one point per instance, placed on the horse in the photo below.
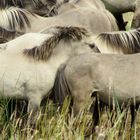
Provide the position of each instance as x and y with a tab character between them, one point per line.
26	21
111	79
40	7
6	35
117	8
39	59
120	43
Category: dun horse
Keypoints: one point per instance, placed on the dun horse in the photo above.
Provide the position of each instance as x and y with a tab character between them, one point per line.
117	8
39	59
40	7
20	20
107	77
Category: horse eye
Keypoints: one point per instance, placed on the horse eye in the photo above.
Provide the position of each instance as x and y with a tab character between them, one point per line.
92	45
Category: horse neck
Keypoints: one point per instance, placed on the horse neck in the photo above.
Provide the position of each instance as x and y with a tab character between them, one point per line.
64	51
61	53
19	44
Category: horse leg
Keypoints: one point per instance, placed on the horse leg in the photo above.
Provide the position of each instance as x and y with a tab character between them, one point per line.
120	21
98	107
80	103
33	110
82	96
133	109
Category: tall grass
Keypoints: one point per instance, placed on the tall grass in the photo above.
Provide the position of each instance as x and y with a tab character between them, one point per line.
54	124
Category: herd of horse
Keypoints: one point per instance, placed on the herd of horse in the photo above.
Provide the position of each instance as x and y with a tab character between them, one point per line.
69	48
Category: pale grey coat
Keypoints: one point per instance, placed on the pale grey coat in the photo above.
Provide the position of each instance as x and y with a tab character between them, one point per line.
106	75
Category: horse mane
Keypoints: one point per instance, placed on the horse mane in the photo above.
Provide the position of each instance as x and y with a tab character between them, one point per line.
37	5
66	34
12	17
5	3
21	3
8	34
124	41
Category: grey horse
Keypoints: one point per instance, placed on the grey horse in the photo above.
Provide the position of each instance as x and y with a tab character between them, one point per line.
112	79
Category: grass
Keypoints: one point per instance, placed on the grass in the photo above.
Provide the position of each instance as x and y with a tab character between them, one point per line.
60	125
54	124
128	18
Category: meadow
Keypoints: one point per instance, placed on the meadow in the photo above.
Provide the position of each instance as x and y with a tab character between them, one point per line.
56	124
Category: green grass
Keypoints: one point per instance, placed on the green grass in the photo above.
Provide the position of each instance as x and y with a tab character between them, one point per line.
128	18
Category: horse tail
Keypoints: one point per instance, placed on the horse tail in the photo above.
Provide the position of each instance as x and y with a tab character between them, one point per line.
61	88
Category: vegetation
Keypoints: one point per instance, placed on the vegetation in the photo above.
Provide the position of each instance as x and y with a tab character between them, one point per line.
54	124
128	18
